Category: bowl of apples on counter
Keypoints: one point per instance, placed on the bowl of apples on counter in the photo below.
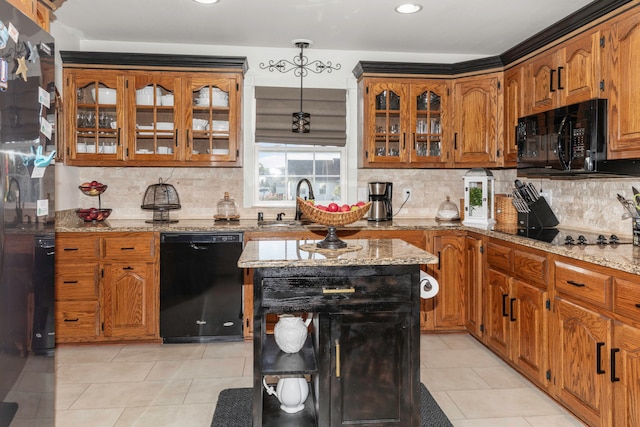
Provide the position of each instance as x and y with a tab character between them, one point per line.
93	188
333	215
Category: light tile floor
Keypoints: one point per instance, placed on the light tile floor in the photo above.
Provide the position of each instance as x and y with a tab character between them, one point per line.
178	384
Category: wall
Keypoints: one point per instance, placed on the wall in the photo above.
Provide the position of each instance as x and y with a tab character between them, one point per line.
587	204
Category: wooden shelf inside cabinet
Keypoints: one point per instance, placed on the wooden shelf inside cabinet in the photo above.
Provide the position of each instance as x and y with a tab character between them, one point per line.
276	361
273	416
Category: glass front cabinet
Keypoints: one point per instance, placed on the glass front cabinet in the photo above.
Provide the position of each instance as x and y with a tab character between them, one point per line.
404	123
152	118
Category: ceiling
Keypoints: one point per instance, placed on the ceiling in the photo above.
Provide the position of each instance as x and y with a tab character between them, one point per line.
468	27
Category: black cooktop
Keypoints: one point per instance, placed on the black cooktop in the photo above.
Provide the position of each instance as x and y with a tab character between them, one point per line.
558	236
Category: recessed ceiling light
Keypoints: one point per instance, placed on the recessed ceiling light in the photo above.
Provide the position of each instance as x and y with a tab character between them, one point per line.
206	1
408	8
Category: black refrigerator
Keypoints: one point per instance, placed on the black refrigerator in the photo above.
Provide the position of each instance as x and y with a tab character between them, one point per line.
27	212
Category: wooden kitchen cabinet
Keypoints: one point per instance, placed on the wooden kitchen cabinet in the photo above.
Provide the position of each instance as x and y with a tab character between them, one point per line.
158	118
625	375
516	301
513	110
477	121
106	287
622	39
565	75
448	306
35	10
473	279
405	123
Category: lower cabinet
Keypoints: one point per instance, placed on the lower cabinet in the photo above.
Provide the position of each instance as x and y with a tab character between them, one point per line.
106	287
362	354
625	375
473	262
581	339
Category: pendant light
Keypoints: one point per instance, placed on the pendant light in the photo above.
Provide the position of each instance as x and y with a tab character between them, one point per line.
301	120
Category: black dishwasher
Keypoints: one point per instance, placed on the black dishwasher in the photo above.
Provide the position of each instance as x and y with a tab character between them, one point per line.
200	287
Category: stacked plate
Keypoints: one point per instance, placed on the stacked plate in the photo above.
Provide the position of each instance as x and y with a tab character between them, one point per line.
219	98
144	96
219	125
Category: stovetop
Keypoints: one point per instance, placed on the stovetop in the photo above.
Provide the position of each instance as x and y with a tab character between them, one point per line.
558	237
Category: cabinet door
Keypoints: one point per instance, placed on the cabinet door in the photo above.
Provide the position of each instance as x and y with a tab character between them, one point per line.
449	302
542	84
212	119
528	322
513	110
363	344
580	342
476	120
385	122
130	300
428	122
155	131
626	378
579	73
95	117
473	285
623	88
496	296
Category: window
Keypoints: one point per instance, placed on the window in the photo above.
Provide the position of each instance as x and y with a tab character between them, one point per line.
281	166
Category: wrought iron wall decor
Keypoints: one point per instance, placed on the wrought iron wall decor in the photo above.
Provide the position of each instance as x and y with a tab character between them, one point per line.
301	121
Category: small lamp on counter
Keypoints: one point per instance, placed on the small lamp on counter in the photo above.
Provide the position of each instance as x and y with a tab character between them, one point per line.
479	188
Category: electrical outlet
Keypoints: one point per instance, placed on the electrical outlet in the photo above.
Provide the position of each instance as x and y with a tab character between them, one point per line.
407	194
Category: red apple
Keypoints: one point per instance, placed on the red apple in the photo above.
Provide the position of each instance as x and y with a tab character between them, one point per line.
333	207
345	208
360	203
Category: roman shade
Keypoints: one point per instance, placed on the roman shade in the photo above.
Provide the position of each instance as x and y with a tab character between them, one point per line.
274	106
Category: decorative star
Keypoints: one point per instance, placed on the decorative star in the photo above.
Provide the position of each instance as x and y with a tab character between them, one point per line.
34	56
22	67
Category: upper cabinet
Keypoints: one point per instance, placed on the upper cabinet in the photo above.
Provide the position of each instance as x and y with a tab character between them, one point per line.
36	10
404	122
622	40
135	117
477	121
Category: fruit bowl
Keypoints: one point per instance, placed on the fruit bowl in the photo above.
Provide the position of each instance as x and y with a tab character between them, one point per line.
93	190
93	214
332	218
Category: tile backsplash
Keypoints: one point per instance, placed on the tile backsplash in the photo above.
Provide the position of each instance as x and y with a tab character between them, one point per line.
587	203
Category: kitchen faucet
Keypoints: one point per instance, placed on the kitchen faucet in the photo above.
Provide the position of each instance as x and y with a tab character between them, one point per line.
311	196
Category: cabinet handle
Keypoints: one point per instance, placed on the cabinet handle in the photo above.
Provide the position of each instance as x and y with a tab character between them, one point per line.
70	249
560	78
70	282
118	136
614	379
127	268
637	305
578	285
599	346
188	139
127	249
337	359
439	260
338	290
414	140
404	140
455	141
513	319
71	320
504	305
175	138
551	72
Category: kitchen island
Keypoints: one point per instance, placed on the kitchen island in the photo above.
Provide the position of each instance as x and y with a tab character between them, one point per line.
362	352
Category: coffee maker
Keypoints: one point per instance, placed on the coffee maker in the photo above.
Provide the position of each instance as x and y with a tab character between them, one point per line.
380	198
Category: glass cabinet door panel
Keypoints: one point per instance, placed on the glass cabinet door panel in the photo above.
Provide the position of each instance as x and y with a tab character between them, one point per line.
157	129
212	125
96	129
427	113
387	124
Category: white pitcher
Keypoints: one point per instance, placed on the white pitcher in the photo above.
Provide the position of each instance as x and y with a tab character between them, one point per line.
291	392
291	332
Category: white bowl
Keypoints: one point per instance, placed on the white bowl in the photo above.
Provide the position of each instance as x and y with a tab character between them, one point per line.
113	125
144	96
106	95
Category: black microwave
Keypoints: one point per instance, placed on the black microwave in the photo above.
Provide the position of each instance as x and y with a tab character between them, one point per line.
567	140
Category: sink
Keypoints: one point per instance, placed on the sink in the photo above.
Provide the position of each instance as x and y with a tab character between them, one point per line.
278	224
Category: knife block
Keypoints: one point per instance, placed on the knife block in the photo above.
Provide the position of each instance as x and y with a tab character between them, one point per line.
541	215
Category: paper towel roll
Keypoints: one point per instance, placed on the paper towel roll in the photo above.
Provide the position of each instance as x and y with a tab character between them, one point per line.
429	286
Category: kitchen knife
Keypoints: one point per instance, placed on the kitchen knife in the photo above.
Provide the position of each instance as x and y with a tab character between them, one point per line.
521	189
534	193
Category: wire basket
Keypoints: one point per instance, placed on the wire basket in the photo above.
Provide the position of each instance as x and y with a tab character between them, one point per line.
332	218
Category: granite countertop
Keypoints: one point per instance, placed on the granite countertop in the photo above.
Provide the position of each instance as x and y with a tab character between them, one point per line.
625	257
298	253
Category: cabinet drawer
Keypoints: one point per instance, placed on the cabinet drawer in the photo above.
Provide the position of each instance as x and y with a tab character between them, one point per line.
76	320
499	256
130	247
626	300
584	284
335	293
530	267
75	247
77	282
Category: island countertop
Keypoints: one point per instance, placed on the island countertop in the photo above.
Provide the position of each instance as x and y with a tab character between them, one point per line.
300	253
